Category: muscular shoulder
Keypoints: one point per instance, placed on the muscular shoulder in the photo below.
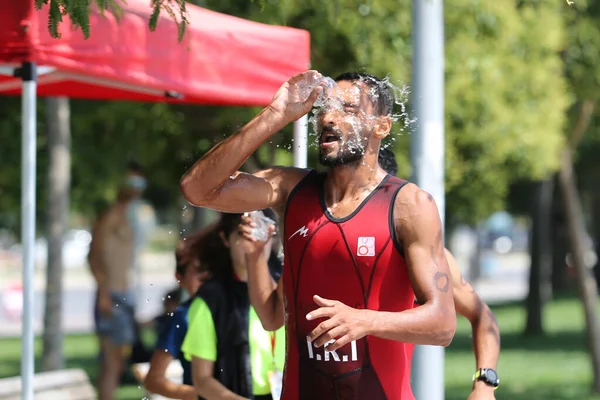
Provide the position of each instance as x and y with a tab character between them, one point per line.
414	209
283	180
283	177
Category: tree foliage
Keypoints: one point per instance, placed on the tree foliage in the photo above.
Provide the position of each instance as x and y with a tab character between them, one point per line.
506	100
78	12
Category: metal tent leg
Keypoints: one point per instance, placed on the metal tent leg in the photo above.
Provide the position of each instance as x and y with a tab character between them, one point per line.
27	73
301	142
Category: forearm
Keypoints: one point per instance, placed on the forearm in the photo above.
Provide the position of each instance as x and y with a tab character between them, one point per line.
263	293
211	389
203	181
486	339
98	272
428	324
164	387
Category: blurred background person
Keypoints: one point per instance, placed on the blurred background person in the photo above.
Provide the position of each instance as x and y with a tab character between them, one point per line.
175	325
112	260
232	355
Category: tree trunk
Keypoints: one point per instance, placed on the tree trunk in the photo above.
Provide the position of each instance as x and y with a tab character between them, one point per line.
540	284
586	284
561	281
596	229
59	177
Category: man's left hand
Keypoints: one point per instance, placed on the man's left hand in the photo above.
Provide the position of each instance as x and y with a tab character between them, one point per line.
342	324
482	392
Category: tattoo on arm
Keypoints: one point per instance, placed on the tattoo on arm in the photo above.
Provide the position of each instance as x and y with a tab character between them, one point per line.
493	329
442	281
466	283
433	257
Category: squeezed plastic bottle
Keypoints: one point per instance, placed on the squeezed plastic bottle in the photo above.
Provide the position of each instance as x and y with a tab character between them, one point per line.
307	88
261	231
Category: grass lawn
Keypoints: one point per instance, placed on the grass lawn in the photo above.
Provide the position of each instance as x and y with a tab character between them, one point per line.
555	367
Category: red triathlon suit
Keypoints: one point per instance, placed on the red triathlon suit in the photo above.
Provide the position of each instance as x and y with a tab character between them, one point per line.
355	260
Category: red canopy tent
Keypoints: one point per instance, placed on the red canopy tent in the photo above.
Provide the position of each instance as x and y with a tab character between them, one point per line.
222	60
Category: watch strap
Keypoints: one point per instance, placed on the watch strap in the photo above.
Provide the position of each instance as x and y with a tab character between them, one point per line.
478	377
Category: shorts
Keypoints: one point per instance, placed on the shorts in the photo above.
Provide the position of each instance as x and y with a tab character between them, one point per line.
120	326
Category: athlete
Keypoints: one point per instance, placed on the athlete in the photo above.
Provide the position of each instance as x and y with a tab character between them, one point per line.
485	331
360	245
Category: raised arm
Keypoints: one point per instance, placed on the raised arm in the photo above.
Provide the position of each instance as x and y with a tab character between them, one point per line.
266	295
418	227
215	182
486	333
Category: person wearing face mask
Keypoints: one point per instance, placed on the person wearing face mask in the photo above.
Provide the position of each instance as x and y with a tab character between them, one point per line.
112	260
232	355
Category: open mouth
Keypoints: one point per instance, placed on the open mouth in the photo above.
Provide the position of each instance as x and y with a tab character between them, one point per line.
329	137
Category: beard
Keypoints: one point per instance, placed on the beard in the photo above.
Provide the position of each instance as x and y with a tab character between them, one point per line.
346	155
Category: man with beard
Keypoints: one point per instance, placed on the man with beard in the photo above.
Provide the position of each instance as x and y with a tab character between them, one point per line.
360	245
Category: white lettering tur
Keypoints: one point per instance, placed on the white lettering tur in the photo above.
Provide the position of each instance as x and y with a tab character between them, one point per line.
331	355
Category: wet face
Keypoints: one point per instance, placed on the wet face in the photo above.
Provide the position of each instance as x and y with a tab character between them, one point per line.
346	123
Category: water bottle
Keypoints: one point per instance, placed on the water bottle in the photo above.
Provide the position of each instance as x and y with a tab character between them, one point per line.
261	231
306	89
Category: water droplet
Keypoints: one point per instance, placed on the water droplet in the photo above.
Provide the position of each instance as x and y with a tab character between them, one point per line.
147	300
177	326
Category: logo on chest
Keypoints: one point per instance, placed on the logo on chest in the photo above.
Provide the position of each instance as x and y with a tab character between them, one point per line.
366	246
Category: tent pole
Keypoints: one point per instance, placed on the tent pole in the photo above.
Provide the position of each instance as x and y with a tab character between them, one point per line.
427	155
301	142
27	73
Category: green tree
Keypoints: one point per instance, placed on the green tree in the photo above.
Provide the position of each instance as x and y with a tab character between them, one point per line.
78	12
505	92
581	61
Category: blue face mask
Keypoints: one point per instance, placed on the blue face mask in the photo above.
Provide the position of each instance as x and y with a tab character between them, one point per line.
136	182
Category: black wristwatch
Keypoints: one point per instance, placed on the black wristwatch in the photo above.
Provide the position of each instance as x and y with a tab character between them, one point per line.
487	376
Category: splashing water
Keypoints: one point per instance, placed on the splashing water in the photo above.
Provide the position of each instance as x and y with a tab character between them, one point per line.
354	142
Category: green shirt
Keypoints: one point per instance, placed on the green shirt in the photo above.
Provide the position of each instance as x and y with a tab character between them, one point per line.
201	342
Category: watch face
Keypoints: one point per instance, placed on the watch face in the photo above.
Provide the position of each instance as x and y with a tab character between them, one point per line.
491	376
